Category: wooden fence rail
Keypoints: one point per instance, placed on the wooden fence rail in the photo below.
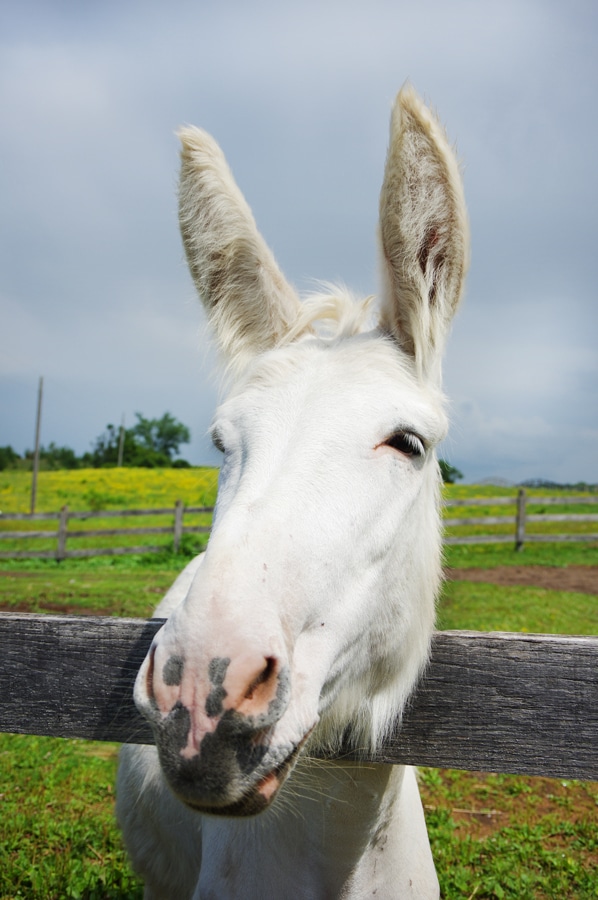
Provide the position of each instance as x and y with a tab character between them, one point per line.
518	703
520	520
63	532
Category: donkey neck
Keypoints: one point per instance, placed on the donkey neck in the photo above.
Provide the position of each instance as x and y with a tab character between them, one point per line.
349	829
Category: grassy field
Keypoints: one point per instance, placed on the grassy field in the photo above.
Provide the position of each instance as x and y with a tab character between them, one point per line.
493	836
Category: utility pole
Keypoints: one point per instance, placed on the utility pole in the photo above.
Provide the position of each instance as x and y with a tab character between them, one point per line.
36	452
121	442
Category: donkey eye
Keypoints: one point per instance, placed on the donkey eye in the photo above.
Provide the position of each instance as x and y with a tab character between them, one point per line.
217	440
407	443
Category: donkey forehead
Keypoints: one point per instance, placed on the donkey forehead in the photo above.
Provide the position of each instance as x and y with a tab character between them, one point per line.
360	382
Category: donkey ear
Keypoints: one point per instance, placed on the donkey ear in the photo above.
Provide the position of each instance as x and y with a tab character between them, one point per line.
424	234
247	300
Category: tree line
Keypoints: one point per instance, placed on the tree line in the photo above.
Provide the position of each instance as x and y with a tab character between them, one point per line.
150	443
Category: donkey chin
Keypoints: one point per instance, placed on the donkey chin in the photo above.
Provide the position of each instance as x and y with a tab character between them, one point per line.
237	771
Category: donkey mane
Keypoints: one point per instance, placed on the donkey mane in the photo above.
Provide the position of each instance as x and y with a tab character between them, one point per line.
328	315
333	313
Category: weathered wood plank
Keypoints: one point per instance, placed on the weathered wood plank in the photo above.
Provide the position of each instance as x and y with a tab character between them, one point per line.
543	501
572	517
119	532
113	551
560	538
481	520
27	517
492	702
505	703
480	539
28	554
72	676
481	501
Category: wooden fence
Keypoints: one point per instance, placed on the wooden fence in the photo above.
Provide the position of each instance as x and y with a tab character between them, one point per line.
521	519
518	524
63	533
518	703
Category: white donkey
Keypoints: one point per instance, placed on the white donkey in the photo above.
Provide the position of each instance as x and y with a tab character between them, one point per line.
308	620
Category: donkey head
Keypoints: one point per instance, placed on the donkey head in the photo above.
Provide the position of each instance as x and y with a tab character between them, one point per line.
312	611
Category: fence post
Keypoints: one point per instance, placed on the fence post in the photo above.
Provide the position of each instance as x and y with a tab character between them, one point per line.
520	520
178	525
62	527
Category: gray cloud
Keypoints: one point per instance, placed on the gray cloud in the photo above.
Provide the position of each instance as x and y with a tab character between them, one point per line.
93	291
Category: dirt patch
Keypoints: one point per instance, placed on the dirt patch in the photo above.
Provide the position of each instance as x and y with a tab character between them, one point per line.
496	802
55	609
581	579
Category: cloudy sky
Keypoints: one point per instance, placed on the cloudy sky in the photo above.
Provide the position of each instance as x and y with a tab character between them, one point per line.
94	294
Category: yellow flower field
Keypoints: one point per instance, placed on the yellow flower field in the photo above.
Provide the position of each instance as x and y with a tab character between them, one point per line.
94	489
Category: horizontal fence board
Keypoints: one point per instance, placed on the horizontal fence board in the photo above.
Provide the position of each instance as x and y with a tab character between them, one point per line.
558	538
111	551
480	539
28	517
544	501
480	520
505	703
28	534
492	702
28	554
115	532
481	501
117	513
571	517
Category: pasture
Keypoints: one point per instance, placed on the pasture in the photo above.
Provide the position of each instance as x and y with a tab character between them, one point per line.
492	835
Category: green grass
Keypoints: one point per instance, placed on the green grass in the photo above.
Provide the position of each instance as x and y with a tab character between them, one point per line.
504	836
487	556
464	605
79	589
493	836
58	837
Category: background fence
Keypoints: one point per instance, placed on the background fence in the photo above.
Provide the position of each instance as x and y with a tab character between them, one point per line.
520	519
515	519
201	517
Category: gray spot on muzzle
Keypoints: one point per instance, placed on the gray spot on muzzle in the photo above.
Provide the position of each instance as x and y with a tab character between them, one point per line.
217	670
231	759
225	758
172	673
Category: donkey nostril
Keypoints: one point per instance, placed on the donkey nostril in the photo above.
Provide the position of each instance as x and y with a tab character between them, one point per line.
263	677
264	684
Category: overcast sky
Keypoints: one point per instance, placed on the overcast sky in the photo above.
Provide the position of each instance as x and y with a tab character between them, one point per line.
94	293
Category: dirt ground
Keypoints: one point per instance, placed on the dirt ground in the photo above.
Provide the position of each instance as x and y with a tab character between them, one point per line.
583	579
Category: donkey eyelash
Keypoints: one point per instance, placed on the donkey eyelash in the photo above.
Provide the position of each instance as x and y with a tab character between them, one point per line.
406	442
217	440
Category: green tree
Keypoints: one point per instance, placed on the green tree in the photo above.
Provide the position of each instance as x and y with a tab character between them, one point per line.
8	457
53	457
449	473
151	443
163	436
